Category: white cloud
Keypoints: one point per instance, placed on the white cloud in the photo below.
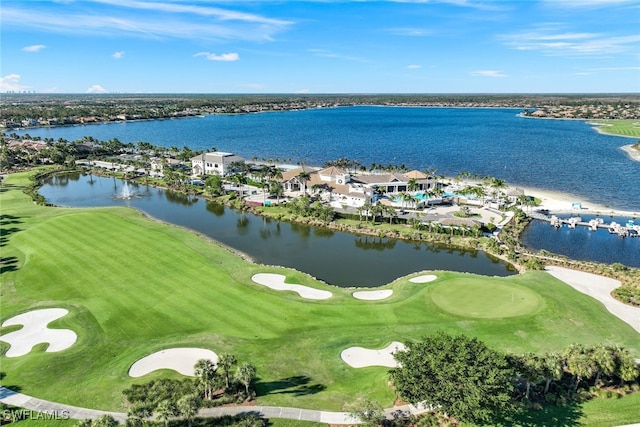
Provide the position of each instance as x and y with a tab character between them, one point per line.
487	73
118	55
327	54
34	48
96	89
226	57
553	41
414	66
11	83
146	20
411	32
305	90
588	3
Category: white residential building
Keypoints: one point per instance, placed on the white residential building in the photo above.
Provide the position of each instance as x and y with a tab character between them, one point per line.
213	163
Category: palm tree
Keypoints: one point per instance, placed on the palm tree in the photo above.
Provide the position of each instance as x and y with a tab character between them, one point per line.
205	372
240	179
531	367
226	362
626	366
188	406
552	369
413	185
137	414
276	189
164	411
303	177
365	209
245	374
604	360
579	363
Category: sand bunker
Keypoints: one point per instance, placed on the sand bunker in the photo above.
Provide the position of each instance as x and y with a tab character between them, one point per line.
359	357
276	282
181	360
600	288
426	278
373	295
35	331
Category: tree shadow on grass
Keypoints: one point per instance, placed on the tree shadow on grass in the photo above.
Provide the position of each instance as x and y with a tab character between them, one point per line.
297	385
9	263
550	415
8	226
8	187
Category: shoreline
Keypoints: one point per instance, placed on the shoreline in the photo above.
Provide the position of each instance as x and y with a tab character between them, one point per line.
633	153
557	202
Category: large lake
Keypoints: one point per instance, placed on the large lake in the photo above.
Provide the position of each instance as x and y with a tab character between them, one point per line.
337	258
562	155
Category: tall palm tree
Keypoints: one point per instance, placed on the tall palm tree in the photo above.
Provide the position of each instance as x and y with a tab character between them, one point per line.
205	372
552	369
304	177
413	185
579	363
244	375
226	362
604	361
240	179
276	189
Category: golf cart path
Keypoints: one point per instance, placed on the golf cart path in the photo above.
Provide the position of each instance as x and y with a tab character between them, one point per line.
20	400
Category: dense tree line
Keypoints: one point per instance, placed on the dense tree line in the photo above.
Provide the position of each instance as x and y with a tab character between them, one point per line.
461	377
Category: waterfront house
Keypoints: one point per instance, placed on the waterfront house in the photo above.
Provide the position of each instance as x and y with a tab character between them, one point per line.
217	162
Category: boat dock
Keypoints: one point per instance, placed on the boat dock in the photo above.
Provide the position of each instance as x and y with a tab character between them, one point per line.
630	229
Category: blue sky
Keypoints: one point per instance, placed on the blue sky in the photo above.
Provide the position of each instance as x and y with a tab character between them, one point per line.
268	46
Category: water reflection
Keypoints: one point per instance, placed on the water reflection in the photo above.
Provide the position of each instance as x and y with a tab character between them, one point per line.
180	198
338	258
368	243
215	208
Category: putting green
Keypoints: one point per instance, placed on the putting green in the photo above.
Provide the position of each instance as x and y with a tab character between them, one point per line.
485	299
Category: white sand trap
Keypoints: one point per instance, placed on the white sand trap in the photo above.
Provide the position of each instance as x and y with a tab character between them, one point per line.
276	282
373	295
181	360
35	331
424	278
359	357
600	288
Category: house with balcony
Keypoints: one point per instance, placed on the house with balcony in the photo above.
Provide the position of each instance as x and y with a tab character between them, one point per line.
218	163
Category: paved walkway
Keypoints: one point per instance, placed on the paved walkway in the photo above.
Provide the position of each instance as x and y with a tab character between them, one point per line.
20	400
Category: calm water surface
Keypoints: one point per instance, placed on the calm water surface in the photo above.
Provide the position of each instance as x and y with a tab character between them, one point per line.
337	258
583	244
562	155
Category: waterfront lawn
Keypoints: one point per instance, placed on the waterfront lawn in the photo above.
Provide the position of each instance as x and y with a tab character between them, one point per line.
629	128
135	286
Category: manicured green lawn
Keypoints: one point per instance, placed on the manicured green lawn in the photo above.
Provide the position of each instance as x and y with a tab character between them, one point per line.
135	286
629	128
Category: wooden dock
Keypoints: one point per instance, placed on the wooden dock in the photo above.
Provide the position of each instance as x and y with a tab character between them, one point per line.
629	230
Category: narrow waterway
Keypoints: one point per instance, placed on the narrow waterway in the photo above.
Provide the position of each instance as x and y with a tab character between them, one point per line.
338	258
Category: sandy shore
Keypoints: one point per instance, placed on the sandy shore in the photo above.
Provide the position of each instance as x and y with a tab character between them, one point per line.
632	152
557	202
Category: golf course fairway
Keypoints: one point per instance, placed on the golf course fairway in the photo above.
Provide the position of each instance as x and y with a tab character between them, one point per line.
133	286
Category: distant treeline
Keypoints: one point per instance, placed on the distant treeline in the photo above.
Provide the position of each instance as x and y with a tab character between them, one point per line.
35	109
